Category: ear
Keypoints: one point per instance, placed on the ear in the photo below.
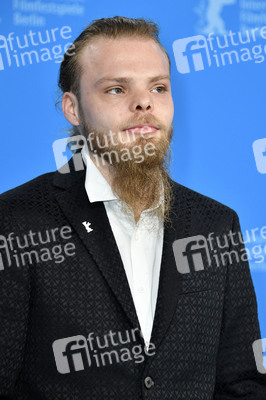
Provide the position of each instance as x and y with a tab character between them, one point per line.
70	108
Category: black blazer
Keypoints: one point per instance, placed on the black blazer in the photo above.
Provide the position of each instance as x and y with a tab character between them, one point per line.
68	326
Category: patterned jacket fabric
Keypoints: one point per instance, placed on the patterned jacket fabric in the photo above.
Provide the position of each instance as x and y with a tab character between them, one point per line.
68	326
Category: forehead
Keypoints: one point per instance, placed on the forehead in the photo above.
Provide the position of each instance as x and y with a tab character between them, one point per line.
126	56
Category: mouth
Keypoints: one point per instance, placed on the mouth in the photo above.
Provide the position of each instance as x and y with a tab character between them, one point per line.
141	129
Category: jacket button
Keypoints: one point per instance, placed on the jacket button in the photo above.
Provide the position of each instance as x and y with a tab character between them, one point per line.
148	382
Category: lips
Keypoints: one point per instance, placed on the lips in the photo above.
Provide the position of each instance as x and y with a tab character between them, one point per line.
141	129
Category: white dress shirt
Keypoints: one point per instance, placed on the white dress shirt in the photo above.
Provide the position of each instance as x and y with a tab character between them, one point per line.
139	247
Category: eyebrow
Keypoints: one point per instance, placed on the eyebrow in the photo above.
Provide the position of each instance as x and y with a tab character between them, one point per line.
128	80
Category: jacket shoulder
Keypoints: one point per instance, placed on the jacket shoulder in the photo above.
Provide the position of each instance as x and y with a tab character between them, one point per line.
40	184
200	203
32	196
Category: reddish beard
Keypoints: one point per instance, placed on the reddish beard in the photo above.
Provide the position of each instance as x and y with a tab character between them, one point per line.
138	184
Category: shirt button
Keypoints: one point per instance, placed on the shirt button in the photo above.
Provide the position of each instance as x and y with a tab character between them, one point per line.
148	382
136	236
141	289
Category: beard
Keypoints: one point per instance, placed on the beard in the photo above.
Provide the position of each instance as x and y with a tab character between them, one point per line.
139	184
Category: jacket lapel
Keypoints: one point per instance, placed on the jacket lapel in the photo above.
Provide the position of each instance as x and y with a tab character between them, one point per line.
100	242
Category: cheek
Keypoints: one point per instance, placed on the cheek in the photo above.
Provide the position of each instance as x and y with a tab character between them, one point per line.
103	118
93	113
166	114
165	108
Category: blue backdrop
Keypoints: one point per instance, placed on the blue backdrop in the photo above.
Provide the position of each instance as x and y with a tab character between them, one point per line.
217	49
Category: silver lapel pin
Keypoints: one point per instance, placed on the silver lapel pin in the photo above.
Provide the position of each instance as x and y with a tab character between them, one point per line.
87	226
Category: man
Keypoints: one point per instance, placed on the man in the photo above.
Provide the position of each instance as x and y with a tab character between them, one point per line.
97	300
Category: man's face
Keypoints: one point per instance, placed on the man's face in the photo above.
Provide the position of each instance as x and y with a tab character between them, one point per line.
125	82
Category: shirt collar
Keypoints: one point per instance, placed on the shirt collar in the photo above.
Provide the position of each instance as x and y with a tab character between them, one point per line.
97	187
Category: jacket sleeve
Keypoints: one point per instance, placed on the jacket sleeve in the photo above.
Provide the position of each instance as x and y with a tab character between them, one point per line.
14	305
237	376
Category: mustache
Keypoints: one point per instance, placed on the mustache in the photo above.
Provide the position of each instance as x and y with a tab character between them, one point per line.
142	121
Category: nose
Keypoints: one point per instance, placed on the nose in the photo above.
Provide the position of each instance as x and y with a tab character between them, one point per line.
141	101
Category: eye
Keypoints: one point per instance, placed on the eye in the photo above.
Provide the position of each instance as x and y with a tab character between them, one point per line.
162	89
114	89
